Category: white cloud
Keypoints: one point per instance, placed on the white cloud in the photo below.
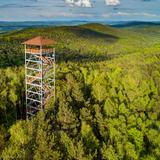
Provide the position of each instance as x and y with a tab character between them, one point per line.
79	3
122	14
64	14
146	14
60	14
107	15
86	15
112	2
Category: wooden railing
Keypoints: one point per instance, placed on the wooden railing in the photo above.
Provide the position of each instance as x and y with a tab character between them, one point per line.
34	51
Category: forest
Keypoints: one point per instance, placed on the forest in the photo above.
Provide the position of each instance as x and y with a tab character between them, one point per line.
107	104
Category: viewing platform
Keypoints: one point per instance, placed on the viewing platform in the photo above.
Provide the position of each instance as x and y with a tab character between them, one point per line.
39	51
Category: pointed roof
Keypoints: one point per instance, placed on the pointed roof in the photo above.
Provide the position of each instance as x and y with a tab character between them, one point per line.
39	41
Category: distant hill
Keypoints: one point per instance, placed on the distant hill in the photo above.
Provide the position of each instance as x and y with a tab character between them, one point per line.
135	24
8	26
90	40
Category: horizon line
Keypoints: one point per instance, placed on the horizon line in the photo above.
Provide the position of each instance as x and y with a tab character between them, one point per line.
80	20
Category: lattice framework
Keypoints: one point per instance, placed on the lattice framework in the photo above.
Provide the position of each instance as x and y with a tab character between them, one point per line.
39	77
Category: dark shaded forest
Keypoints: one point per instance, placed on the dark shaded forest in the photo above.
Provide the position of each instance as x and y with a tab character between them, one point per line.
107	103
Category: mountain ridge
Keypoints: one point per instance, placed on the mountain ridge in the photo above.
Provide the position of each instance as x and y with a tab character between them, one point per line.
7	26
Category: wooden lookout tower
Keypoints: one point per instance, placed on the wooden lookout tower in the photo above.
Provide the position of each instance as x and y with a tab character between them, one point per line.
39	73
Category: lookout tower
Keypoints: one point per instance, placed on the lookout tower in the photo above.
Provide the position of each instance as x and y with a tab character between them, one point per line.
39	73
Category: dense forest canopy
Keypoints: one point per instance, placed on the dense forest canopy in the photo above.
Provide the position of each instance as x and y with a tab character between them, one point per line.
107	95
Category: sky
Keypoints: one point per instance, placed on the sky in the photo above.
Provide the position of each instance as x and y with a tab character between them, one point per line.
96	10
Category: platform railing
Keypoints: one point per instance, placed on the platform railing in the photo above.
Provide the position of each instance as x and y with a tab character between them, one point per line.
33	50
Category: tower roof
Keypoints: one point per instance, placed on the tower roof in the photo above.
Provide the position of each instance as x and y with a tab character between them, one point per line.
39	41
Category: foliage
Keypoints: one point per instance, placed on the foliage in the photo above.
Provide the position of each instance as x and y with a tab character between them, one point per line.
107	107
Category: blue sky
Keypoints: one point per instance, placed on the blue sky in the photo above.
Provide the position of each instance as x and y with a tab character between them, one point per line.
105	10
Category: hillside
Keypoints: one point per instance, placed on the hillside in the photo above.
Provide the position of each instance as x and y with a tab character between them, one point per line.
90	40
107	95
136	24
